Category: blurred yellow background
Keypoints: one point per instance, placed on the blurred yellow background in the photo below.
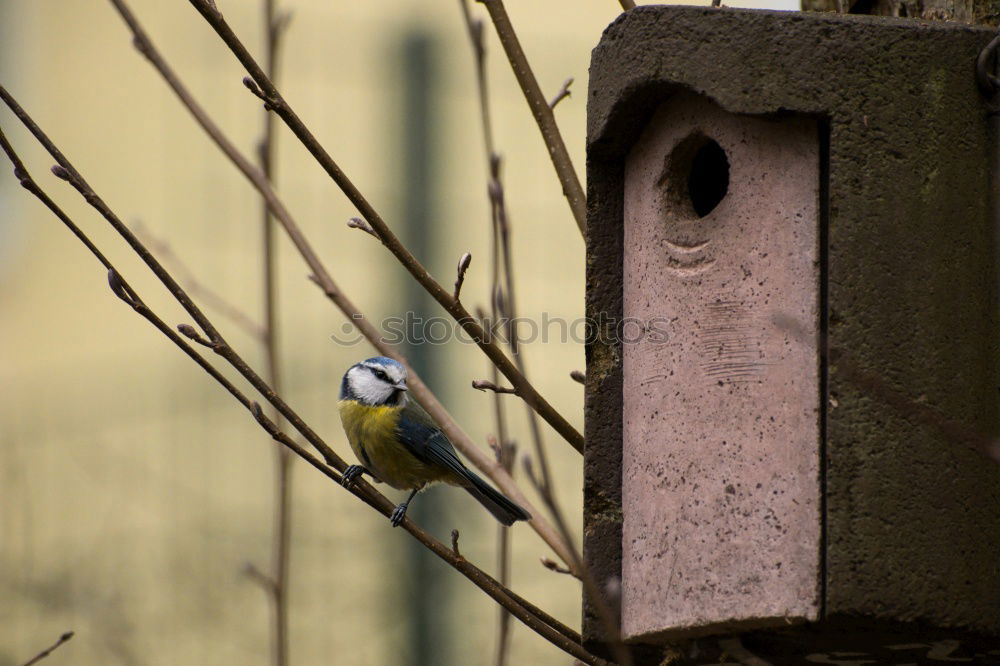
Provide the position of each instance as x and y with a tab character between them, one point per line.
133	489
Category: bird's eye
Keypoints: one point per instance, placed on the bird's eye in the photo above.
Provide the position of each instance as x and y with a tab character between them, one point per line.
381	375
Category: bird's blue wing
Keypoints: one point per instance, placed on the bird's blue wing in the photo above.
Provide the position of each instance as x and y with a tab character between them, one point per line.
426	441
421	436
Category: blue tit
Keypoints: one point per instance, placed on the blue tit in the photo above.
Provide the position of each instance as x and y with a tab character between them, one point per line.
397	441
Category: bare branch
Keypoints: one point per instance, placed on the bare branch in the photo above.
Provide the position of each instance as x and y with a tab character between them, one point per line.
483	385
504	449
526	391
607	618
475	30
325	281
331	290
542	112
506	453
504	302
544	627
540	622
47	651
274	29
194	287
543	484
463	266
251	571
562	94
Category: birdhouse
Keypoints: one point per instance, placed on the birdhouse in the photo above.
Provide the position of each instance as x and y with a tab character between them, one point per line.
791	242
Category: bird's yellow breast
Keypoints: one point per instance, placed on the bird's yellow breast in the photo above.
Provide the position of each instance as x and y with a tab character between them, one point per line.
371	432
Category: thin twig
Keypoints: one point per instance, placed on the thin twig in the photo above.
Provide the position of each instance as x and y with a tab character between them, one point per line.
195	287
527	391
562	94
578	376
274	28
506	453
332	292
218	343
505	450
475	28
47	651
509	313
541	111
251	571
454	543
322	278
627	4
484	385
532	617
503	301
504	304
507	308
540	622
604	613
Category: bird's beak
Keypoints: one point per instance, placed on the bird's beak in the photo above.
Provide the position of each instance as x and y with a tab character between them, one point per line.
399	387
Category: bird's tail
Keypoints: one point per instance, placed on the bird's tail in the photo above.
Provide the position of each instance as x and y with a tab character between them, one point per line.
501	506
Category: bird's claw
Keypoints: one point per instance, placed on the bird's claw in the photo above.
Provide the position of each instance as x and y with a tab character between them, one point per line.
350	474
397	515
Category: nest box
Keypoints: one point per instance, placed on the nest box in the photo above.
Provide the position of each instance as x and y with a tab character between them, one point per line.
791	242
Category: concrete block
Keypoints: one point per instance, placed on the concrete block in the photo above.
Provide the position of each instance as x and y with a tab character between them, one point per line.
720	407
906	314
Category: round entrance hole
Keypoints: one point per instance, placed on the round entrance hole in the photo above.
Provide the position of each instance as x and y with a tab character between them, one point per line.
708	180
696	175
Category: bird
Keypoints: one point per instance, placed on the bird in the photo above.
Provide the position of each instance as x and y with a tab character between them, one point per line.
398	442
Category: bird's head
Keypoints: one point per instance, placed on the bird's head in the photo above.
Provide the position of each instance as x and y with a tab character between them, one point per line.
377	382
